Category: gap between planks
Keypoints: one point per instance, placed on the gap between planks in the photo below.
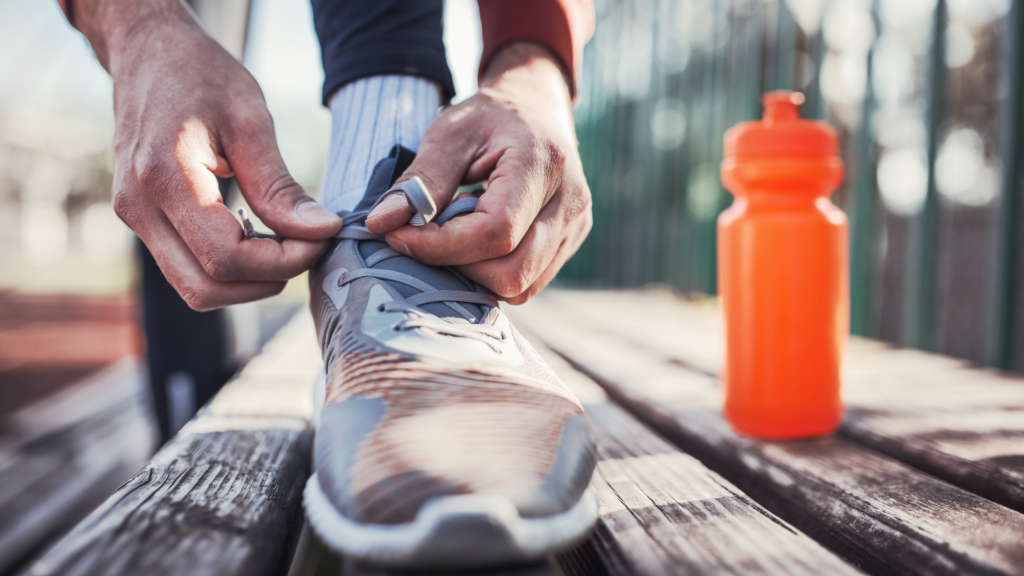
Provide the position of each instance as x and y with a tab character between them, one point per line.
663	512
223	496
874	511
939	414
64	454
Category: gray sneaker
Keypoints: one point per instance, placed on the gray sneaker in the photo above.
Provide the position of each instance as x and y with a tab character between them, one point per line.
444	440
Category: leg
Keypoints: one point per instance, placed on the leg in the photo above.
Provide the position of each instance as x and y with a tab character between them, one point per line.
443	440
369	117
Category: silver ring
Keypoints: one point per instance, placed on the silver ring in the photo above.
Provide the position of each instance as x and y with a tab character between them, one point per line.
419	200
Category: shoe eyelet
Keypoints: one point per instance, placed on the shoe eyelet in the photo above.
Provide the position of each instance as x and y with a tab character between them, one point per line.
380	308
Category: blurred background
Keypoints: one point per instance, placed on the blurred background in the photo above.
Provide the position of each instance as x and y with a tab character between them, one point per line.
926	94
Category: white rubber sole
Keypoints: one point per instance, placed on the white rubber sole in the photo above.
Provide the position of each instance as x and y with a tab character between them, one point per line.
452	531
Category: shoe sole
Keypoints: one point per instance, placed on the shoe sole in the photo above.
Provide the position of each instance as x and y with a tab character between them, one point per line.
451	532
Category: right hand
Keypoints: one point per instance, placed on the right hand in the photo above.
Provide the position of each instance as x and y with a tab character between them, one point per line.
186	112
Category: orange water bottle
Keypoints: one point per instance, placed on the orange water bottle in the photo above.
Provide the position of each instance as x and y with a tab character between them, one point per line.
783	274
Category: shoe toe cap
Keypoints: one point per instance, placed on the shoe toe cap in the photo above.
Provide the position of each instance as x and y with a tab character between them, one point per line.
381	464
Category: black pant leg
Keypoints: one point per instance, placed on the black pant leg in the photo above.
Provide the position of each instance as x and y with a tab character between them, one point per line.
362	38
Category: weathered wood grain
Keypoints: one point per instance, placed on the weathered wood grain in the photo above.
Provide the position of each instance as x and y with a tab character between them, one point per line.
314	558
874	511
546	568
962	424
63	455
103	391
223	496
663	512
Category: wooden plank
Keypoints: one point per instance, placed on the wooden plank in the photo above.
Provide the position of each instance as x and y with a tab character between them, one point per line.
663	512
546	568
314	558
962	424
877	513
223	496
103	391
63	455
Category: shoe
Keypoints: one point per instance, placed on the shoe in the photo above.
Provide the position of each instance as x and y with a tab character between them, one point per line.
443	440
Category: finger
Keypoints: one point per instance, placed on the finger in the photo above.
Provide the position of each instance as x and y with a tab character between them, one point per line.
392	213
179	265
186	190
215	238
250	147
512	275
564	253
516	192
444	156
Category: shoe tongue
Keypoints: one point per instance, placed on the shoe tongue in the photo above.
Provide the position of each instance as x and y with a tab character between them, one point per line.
383	177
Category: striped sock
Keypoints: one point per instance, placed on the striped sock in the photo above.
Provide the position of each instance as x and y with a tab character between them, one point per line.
368	117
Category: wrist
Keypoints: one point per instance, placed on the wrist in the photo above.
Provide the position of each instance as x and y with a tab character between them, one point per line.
527	64
112	25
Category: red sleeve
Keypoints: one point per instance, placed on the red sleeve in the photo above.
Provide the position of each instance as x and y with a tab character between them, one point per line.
65	5
561	26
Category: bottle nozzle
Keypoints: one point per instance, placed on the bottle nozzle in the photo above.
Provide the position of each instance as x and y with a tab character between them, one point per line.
781	106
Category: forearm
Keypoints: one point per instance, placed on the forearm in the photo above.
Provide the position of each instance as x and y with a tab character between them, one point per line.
530	71
561	26
526	57
110	25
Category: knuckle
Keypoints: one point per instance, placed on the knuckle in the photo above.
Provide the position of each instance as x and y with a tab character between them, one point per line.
278	188
251	119
578	202
514	286
588	223
125	205
554	157
586	198
154	170
198	298
520	284
219	267
500	241
524	296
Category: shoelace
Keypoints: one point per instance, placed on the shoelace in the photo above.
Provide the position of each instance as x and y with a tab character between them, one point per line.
353	229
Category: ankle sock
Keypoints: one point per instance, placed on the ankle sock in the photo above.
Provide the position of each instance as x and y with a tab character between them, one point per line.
368	117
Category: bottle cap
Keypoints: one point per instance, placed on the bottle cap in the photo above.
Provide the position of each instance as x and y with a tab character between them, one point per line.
781	132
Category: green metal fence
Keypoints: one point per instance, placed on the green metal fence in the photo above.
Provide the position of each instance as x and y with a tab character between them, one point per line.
926	95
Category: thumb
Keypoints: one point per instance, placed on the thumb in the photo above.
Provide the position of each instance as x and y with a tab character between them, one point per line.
274	196
439	166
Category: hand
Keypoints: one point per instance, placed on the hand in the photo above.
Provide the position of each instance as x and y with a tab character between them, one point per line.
186	112
517	133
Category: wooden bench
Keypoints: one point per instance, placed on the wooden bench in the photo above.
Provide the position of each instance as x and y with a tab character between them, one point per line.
873	493
63	454
920	480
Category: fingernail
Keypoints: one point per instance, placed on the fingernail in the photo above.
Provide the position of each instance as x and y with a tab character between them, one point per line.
316	214
400	246
390	203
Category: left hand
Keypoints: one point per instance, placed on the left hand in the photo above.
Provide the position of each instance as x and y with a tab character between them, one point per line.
518	134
